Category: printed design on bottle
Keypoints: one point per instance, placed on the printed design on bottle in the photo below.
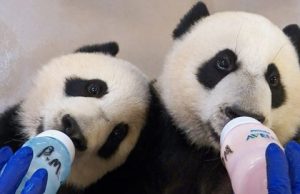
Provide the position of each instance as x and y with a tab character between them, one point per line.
227	151
47	151
259	133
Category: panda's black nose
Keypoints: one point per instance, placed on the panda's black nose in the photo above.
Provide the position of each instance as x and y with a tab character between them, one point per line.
73	130
234	112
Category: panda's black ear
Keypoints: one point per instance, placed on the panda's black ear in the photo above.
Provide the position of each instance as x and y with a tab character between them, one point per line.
293	32
198	11
111	48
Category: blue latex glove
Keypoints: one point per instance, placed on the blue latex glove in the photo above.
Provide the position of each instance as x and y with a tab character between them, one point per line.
283	169
16	168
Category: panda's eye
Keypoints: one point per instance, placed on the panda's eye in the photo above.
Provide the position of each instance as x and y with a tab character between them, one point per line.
226	61
93	89
96	88
224	64
273	80
272	76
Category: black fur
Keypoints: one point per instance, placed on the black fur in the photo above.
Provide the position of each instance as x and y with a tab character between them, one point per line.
293	32
114	140
297	136
174	165
11	129
278	93
197	12
40	128
214	70
111	48
85	88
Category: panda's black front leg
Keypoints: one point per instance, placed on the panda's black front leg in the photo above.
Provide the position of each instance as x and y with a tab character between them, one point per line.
11	133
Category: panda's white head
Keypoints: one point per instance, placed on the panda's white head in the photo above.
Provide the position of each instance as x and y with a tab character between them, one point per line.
227	65
98	100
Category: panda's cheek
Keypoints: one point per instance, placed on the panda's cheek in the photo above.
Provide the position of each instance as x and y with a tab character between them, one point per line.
205	113
96	132
212	106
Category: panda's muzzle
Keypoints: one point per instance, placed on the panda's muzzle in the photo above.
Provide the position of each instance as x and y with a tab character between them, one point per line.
73	130
234	112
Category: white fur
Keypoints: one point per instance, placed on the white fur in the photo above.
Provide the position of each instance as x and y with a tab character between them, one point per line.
257	43
126	101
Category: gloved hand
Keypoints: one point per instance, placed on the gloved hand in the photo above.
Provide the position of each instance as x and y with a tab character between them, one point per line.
16	168
283	169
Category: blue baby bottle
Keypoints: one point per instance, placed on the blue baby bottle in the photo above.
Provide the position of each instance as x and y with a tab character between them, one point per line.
53	151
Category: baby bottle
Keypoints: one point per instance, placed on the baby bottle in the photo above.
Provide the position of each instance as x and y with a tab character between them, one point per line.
53	151
244	141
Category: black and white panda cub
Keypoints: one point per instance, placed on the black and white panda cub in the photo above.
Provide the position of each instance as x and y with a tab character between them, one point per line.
100	101
222	66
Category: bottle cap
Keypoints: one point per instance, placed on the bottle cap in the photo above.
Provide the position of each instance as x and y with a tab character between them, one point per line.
63	138
234	123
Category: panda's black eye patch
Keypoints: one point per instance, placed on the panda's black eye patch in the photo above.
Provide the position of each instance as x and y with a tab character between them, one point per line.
215	69
273	78
113	141
85	88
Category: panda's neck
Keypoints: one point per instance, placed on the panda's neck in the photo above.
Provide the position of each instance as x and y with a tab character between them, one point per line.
191	168
185	167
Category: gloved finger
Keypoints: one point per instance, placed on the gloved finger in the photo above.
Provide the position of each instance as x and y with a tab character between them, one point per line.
292	151
37	183
5	154
15	170
277	170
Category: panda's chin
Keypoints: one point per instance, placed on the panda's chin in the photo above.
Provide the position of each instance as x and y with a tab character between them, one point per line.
215	129
216	125
213	139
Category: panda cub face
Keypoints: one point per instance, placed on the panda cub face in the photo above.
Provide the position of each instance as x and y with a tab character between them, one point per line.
228	65
98	100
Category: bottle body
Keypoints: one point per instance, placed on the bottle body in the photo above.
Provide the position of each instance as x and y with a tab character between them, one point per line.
243	145
54	156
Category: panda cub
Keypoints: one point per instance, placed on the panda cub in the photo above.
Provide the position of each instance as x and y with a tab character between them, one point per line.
99	101
220	67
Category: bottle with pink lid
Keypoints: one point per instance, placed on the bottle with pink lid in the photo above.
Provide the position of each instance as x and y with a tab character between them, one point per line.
244	141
